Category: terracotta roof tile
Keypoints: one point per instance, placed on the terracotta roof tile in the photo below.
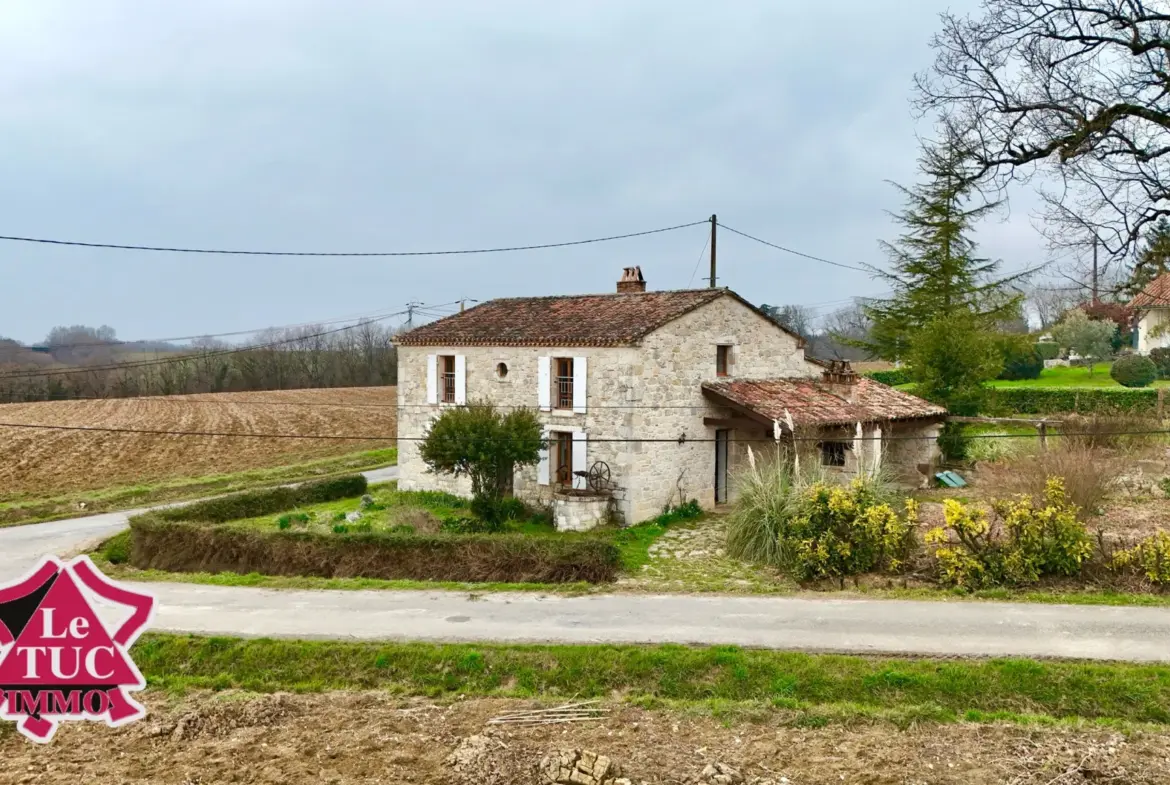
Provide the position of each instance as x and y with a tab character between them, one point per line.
811	402
579	320
1156	293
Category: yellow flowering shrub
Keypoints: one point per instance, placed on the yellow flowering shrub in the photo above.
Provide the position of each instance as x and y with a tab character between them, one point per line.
1151	557
842	530
1021	544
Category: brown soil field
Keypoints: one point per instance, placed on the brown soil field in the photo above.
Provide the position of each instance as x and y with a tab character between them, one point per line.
50	461
374	738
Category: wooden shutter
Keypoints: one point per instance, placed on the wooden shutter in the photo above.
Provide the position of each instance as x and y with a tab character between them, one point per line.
460	379
542	466
579	460
432	378
544	384
579	375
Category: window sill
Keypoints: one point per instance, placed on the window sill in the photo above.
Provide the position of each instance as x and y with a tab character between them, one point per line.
564	412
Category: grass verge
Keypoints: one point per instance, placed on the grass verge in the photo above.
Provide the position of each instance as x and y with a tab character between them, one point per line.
22	509
823	687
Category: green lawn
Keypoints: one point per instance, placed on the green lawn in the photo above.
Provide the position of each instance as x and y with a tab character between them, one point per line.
818	688
23	509
1073	377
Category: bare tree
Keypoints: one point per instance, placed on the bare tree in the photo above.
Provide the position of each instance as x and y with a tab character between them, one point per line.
1079	89
1050	300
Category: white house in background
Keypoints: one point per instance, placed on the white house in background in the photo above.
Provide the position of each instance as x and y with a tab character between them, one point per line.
660	392
1152	306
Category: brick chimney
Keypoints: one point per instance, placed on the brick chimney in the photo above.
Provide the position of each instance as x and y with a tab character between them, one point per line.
840	378
632	281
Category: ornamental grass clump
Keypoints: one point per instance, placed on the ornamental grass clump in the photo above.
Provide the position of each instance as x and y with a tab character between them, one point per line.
1017	544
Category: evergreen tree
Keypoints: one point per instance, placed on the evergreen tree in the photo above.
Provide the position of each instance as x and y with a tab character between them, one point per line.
934	272
1153	259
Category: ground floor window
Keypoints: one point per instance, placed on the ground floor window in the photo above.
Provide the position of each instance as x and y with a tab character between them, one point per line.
833	453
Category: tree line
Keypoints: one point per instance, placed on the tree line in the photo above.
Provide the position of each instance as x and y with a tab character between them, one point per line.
85	362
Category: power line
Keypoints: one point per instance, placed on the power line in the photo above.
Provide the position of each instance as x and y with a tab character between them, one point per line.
683	439
789	250
167	249
318	323
699	261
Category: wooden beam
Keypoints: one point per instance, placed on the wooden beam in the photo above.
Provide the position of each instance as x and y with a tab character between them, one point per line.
722	400
738	423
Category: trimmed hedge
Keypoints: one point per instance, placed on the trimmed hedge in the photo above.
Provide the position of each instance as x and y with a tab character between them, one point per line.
250	504
892	377
1054	400
175	546
1048	350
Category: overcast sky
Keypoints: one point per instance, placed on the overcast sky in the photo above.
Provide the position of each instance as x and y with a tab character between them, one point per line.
382	126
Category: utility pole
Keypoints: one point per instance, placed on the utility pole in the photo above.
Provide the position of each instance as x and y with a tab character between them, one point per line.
714	225
410	314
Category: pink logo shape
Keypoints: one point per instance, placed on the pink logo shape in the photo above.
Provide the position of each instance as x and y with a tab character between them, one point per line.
58	660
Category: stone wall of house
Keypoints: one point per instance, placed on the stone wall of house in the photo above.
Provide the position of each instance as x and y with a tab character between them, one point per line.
908	444
609	384
652	392
674	362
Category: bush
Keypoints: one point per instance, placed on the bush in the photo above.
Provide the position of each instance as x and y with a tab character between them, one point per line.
1134	371
1085	475
1161	359
1031	400
116	550
1020	359
1047	350
892	377
846	530
185	547
1150	557
954	442
1023	543
508	508
467	525
252	504
812	527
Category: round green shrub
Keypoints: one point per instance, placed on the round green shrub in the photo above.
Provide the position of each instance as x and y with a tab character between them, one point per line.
1134	371
1048	350
1020	361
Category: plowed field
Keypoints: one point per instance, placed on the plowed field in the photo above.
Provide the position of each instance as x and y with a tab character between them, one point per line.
34	461
347	738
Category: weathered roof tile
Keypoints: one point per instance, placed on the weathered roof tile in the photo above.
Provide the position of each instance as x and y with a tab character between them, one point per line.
811	402
576	320
1156	294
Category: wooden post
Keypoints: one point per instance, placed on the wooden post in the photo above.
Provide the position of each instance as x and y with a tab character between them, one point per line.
1161	402
1042	428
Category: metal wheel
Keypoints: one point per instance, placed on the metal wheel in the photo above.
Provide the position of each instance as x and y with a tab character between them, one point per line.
598	478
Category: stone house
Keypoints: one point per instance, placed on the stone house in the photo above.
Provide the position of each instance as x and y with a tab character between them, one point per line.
1152	310
649	398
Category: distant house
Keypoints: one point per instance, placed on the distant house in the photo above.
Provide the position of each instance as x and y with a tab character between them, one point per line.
1152	307
658	392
